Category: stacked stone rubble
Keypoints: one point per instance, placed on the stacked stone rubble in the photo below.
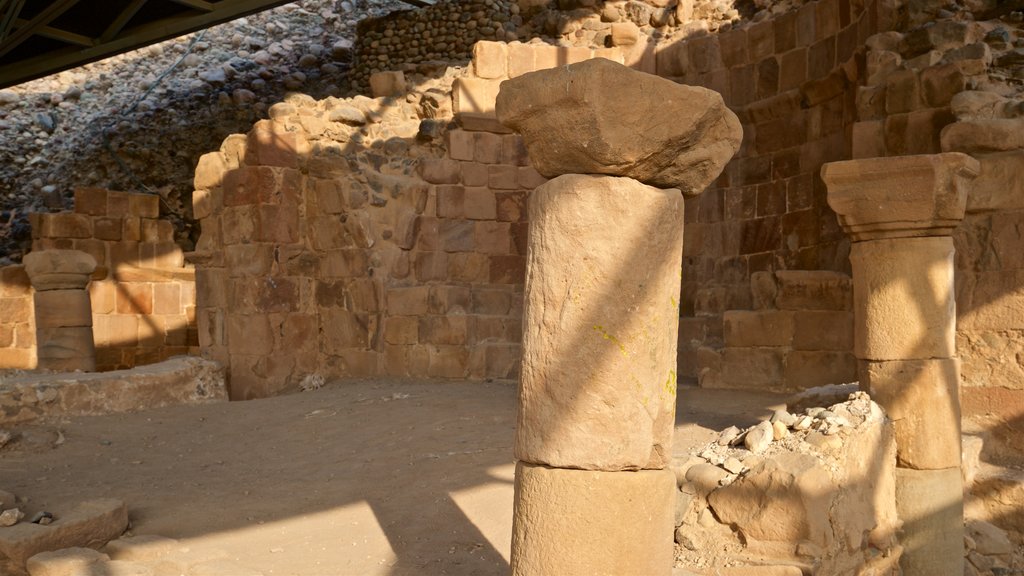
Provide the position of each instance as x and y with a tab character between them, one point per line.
900	213
597	388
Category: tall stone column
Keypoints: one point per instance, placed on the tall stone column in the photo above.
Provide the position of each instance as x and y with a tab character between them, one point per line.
597	392
900	213
64	338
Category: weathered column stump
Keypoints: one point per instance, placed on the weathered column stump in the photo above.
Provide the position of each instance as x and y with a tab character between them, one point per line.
598	382
64	336
900	212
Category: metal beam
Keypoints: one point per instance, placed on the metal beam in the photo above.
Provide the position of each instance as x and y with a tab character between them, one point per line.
23	33
10	9
121	20
197	4
62	35
136	37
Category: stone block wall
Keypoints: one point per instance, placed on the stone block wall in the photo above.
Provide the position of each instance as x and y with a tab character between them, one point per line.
143	296
792	81
17	319
799	335
941	88
349	238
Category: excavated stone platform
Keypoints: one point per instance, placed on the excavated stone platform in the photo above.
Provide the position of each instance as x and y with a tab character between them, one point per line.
384	478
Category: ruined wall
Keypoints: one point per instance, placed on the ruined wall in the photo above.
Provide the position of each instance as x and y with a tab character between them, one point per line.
17	319
143	298
792	81
943	87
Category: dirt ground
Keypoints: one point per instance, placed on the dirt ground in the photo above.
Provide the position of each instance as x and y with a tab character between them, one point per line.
365	478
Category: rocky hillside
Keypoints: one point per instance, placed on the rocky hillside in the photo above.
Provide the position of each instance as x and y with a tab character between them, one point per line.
140	121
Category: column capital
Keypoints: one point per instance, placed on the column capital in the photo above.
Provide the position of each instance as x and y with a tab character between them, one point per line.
59	269
900	196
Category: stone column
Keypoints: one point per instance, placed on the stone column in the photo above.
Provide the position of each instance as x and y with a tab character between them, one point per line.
900	213
597	393
64	338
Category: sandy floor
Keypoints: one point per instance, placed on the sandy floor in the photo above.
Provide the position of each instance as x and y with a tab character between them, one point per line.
370	478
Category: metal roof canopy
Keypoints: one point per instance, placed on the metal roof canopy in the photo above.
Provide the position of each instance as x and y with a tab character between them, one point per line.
43	37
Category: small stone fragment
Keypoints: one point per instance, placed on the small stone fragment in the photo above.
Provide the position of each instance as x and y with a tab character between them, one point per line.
733	465
785	417
759	437
42	517
725	437
779	430
10	517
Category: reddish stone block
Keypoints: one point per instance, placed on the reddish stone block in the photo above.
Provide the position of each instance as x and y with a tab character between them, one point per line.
451	330
135	298
508	269
144	205
705	54
491	302
785	31
447	361
529	179
107	228
92	201
742	84
14	310
440	170
767	78
279	224
826	18
761	40
492	237
821	58
449	300
479	204
733	46
451	201
940	83
902	92
461	144
869	139
510	206
430	266
428	236
469	267
14	281
456	235
345	263
806	25
474	174
407	301
520	235
342	330
487	148
265	147
401	329
503	177
793	69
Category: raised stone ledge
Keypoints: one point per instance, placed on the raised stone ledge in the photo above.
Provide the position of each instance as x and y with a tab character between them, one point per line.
180	380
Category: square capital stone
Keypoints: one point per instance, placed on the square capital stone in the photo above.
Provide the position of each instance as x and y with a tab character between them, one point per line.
900	196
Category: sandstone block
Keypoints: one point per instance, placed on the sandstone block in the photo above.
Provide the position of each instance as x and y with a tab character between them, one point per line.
752	367
984	135
584	523
475	95
65	343
903	298
384	84
809	369
812	290
780	500
930	505
490	59
563	114
56	308
73	561
89	525
748	328
998	186
922	397
899	196
823	330
599	340
59	269
520	59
